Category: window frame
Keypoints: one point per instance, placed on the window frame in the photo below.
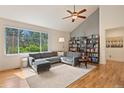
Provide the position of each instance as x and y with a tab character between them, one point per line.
5	53
19	28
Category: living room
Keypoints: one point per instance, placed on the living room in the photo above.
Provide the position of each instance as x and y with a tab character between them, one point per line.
29	46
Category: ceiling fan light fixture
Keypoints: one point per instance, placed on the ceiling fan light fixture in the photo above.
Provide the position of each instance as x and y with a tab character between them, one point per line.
74	17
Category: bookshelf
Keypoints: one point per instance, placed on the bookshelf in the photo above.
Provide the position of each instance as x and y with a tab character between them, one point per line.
93	48
77	44
88	46
73	44
83	44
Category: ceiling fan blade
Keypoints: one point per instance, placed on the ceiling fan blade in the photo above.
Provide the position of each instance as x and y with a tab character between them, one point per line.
66	17
69	11
73	20
82	11
82	17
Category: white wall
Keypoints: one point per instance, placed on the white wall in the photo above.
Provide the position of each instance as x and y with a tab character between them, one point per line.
13	61
117	54
110	17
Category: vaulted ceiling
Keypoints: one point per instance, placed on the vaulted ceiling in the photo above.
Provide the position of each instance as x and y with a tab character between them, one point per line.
49	16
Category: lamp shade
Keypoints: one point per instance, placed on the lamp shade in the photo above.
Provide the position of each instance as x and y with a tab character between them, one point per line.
61	39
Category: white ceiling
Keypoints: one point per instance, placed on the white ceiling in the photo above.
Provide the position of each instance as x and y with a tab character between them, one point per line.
49	16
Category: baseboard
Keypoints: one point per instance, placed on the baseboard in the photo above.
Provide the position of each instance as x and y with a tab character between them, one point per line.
113	60
9	69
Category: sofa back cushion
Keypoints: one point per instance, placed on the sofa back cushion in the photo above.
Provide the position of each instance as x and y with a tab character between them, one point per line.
43	55
49	54
72	54
35	56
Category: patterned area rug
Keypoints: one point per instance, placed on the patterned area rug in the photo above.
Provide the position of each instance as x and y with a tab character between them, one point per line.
57	77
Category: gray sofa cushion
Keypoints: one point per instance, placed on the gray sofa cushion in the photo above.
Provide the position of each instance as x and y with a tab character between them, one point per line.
54	59
35	56
72	54
49	54
68	59
43	55
40	62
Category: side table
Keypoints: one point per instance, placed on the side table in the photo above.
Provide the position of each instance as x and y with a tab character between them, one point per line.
24	62
83	61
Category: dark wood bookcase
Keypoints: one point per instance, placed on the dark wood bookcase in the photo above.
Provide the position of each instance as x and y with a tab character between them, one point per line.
73	44
93	48
88	46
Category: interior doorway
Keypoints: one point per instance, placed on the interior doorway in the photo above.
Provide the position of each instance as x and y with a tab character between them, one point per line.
115	44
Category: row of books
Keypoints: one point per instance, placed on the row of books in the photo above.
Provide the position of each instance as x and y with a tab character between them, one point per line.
93	59
92	55
92	50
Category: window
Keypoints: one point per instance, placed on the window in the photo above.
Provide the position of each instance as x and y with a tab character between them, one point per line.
11	40
25	41
29	41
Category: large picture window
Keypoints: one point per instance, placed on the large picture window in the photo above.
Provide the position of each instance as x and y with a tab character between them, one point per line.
25	41
11	41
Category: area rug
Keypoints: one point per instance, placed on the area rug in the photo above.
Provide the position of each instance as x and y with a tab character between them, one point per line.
57	77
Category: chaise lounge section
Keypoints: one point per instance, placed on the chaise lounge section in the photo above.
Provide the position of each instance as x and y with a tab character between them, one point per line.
42	61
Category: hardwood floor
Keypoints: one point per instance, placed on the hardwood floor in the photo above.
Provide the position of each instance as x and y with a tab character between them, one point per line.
13	79
104	76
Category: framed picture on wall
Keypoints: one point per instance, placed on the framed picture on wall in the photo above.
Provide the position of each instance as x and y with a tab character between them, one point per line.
114	42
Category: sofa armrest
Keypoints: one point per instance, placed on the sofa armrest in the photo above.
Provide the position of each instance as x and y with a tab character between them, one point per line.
31	60
75	60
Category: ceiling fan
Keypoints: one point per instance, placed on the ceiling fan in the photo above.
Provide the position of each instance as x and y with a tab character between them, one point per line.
74	15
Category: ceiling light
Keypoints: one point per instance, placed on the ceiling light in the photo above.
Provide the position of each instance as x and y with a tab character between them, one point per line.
75	14
74	17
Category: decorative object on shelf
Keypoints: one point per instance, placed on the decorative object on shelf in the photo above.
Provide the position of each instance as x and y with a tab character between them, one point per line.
88	46
114	42
74	15
62	40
